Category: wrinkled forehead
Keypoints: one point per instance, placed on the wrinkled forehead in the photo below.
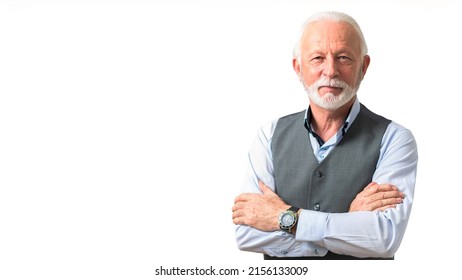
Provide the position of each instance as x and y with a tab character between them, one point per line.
327	34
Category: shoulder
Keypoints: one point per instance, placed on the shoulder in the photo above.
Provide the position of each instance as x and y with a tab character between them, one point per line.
368	114
290	123
393	130
396	133
398	146
295	117
267	130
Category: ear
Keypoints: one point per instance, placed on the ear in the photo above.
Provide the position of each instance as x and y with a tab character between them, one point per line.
366	61
296	65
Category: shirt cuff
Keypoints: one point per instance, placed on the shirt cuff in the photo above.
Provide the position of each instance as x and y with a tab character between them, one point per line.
311	225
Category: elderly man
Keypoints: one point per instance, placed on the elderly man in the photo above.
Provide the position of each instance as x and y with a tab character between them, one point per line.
335	181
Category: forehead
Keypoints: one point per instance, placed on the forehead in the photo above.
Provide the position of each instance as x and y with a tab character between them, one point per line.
330	35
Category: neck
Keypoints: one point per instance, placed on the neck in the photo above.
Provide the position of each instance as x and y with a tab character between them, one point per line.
326	123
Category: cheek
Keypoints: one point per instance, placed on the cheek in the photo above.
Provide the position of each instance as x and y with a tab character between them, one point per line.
358	78
310	75
351	75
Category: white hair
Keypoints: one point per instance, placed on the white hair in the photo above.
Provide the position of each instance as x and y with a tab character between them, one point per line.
331	16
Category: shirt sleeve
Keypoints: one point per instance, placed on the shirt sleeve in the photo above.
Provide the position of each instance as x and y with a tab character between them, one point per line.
370	233
260	167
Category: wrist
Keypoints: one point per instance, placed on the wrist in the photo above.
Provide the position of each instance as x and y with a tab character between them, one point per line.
288	220
293	230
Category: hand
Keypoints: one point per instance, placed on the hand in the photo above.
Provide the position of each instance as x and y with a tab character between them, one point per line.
259	210
377	197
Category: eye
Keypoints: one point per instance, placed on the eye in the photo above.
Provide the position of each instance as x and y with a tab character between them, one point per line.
317	58
344	59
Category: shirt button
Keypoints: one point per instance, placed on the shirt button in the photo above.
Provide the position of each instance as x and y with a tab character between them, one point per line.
317	207
318	174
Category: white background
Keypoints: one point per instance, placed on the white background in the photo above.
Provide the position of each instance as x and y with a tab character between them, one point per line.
125	125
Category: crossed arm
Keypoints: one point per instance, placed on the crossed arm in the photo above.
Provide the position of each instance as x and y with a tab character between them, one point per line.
261	210
373	227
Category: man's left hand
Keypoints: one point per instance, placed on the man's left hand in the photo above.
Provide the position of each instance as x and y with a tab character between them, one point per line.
259	210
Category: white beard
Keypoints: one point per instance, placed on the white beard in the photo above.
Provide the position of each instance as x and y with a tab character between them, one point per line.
330	101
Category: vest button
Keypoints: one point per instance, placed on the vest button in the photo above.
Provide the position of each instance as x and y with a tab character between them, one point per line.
317	207
318	174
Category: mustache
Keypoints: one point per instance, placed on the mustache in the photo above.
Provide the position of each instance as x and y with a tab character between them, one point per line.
326	82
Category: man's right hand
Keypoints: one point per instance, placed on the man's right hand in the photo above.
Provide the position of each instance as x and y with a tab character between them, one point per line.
377	197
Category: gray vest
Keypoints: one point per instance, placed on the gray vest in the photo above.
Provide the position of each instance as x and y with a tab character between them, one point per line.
329	186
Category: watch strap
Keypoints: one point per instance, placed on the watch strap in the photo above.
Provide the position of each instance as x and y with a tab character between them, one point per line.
293	209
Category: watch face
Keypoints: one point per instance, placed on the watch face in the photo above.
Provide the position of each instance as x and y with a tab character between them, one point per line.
287	219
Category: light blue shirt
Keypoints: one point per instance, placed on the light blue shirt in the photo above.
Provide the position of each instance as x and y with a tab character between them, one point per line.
359	234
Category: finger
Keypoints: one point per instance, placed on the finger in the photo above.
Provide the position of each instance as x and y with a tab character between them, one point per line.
377	188
265	189
236	206
392	201
238	198
245	197
385	207
386	187
236	214
243	220
370	185
240	205
369	189
381	203
237	221
393	194
386	195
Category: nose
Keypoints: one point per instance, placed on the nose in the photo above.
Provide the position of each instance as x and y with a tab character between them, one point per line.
330	69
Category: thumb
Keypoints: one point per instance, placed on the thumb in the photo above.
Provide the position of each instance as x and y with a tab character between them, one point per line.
370	185
369	189
265	189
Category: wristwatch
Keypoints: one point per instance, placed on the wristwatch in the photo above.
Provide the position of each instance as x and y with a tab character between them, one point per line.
288	219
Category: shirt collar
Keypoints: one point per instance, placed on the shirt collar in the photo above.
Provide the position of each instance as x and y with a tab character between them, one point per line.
354	111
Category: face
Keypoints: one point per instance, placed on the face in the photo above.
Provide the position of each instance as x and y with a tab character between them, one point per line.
331	65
